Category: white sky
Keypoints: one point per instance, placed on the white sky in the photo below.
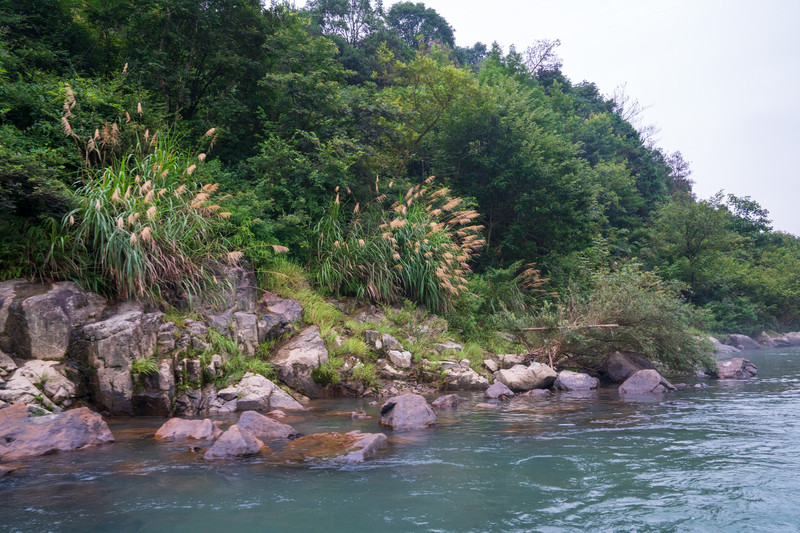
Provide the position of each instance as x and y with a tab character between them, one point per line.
721	77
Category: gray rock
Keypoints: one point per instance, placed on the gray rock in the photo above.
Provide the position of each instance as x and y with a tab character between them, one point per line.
389	343
535	393
772	339
296	359
235	442
245	331
222	322
793	337
736	368
448	401
491	365
179	428
720	348
371	337
19	389
166	338
460	378
743	342
645	382
498	390
288	310
53	382
522	378
38	319
508	360
255	392
569	380
109	348
271	327
409	411
265	428
619	366
7	365
400	359
448	346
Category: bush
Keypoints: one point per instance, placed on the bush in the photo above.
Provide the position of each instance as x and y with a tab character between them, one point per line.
653	319
417	248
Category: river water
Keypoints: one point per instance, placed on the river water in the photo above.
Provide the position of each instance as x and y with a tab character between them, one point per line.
726	458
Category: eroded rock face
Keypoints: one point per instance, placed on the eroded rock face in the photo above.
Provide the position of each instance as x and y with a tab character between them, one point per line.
235	442
619	366
109	348
180	428
265	428
498	390
409	411
295	361
37	319
645	382
569	380
743	342
22	436
521	378
50	379
736	368
448	401
346	448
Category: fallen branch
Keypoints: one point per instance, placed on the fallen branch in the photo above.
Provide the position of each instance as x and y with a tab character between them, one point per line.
569	327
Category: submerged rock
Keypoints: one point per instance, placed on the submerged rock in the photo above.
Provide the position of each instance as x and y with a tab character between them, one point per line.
448	401
235	442
569	380
736	368
348	448
409	411
645	382
22	436
180	428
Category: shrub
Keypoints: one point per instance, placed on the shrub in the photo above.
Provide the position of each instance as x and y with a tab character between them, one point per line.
329	372
417	248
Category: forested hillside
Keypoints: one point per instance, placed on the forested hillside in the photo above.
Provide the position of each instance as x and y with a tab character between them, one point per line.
141	142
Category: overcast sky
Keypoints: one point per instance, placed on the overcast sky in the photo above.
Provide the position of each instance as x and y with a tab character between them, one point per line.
722	78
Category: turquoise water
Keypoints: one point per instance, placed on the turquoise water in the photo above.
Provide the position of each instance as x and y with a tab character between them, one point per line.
725	458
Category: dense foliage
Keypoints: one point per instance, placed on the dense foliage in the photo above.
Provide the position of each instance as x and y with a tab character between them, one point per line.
303	106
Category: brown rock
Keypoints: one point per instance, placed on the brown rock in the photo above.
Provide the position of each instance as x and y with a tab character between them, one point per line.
22	436
265	428
348	448
180	428
235	442
498	390
448	401
409	411
736	368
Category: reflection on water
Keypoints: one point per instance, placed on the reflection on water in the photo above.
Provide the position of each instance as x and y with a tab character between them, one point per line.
725	458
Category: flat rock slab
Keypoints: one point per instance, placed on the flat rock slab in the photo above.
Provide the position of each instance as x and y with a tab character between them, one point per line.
346	448
265	428
22	436
736	368
180	428
409	411
520	378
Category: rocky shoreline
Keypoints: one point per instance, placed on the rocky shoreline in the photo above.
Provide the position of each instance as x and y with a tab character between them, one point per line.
67	354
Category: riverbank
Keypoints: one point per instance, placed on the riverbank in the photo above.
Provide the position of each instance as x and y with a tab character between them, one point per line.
721	458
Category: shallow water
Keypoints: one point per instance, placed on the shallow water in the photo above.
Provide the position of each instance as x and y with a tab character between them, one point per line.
725	458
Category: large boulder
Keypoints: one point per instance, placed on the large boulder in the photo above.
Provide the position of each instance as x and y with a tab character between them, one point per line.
37	319
520	378
108	349
645	382
743	342
265	428
245	332
235	442
409	411
736	368
508	360
22	436
255	392
298	358
772	339
569	380
180	428
462	377
793	338
345	448
619	366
